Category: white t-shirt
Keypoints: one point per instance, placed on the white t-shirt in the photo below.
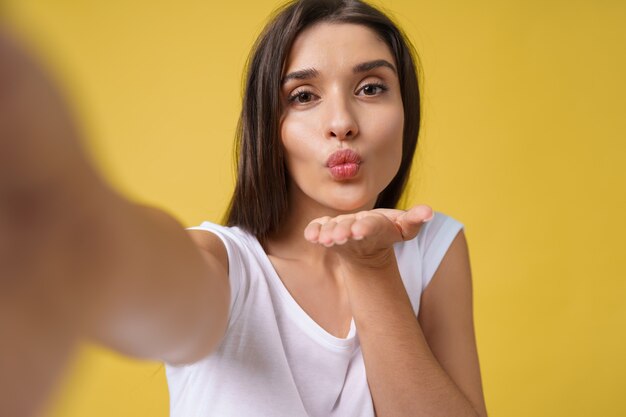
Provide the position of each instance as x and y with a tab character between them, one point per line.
274	360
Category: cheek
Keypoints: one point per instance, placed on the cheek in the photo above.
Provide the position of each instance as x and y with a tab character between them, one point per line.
388	129
295	136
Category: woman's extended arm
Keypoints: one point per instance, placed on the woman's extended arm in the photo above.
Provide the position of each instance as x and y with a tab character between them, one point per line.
130	272
77	259
155	290
132	280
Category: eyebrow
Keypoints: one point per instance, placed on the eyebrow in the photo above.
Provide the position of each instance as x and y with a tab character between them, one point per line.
308	73
304	74
370	65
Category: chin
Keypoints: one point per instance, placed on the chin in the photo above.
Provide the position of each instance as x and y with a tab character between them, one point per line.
351	205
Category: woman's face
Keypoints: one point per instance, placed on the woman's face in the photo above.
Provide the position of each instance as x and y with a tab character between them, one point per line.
343	118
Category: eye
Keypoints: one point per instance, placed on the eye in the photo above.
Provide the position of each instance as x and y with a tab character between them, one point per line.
372	89
301	97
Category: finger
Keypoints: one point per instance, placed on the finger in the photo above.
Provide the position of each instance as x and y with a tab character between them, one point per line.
323	220
342	217
412	220
367	226
362	214
343	230
418	214
311	232
326	233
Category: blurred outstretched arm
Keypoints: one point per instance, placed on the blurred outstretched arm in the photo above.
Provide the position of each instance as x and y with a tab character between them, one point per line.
79	260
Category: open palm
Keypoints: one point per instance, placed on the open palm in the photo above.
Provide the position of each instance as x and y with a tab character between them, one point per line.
365	234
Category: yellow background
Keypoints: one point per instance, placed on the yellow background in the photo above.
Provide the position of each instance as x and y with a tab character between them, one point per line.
523	142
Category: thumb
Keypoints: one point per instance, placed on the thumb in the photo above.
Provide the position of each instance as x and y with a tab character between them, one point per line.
411	221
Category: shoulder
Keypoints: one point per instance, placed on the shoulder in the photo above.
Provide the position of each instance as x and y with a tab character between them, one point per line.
454	269
442	227
221	242
449	291
210	244
233	250
442	241
434	242
230	245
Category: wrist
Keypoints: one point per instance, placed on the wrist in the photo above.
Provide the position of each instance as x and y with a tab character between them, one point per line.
366	264
373	288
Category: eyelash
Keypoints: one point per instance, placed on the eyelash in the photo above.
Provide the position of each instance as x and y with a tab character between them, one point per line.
293	97
382	86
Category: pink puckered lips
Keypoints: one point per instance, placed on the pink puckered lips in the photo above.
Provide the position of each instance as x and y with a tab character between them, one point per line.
344	164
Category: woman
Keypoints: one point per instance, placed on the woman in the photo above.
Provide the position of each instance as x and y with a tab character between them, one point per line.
307	302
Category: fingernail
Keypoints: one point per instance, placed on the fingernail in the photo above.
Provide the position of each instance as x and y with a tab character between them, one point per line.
430	218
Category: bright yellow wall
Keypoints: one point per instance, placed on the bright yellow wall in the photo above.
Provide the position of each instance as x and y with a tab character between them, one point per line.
523	142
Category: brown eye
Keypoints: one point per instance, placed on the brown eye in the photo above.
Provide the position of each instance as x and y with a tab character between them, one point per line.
304	97
373	89
301	97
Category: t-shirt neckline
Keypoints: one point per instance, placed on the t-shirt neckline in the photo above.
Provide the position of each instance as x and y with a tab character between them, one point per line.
300	316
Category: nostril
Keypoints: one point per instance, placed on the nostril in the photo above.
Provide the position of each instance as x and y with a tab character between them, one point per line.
348	134
340	134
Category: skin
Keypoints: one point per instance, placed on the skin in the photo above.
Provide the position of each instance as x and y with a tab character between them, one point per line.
36	339
340	109
78	261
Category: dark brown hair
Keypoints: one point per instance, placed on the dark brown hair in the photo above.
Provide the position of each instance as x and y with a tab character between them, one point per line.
260	200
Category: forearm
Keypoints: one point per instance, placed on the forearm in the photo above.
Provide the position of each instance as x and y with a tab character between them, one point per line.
126	275
403	375
160	299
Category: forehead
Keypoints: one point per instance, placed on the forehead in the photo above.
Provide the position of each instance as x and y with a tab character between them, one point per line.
334	44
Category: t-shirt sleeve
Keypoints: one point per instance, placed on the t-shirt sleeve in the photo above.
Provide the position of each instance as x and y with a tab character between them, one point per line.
434	239
236	274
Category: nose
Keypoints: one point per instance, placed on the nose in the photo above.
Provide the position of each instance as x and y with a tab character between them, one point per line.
341	122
